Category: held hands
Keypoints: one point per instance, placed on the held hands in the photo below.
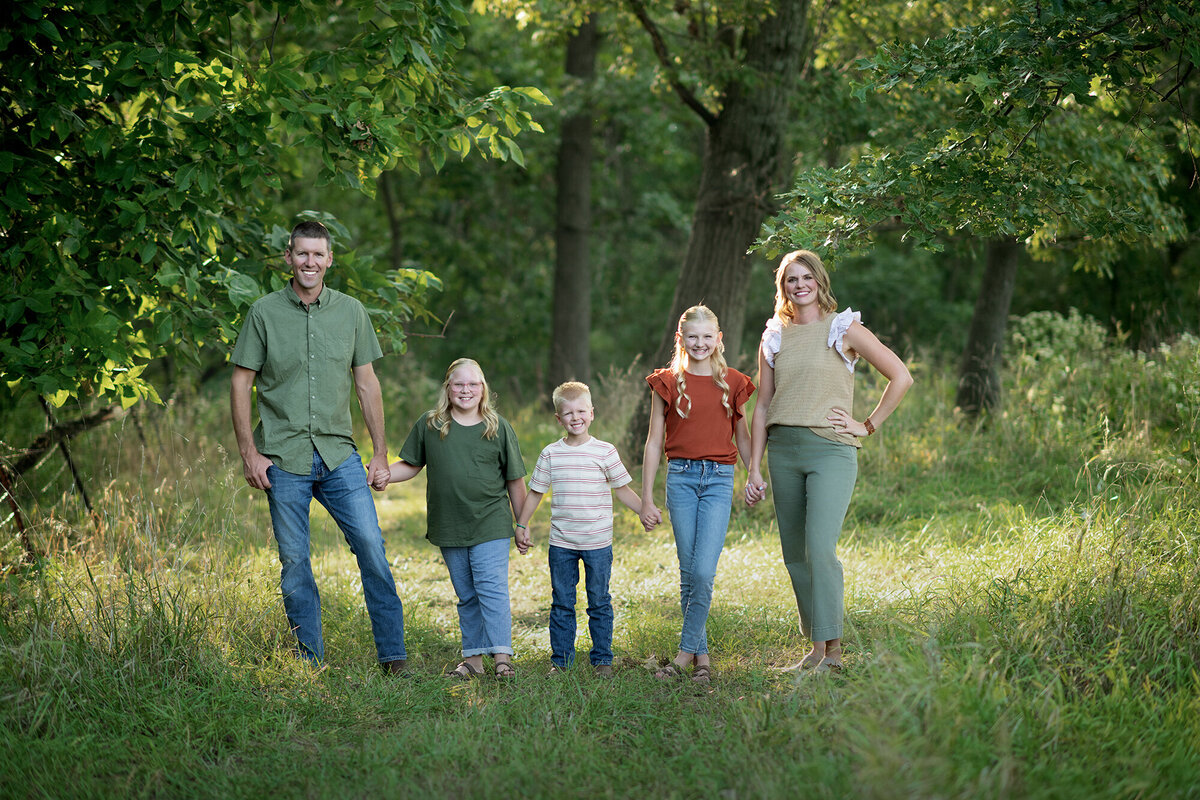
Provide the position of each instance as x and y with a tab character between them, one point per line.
523	540
379	474
651	517
756	488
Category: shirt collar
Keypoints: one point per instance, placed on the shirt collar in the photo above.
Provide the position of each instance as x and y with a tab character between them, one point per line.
295	298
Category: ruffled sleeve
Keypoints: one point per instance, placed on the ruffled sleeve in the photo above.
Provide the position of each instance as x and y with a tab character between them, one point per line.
741	393
662	382
837	331
771	340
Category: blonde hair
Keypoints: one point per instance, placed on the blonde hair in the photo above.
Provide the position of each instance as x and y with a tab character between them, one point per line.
566	392
679	362
825	299
439	417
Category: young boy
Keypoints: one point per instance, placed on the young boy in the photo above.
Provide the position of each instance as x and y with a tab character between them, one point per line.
583	474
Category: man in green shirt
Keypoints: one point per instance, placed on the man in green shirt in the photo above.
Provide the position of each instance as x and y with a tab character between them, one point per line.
306	346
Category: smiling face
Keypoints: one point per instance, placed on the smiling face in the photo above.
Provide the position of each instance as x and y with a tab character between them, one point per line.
802	288
699	339
576	417
799	284
465	389
308	258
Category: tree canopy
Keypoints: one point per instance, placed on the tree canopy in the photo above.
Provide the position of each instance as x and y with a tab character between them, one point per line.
145	145
1051	122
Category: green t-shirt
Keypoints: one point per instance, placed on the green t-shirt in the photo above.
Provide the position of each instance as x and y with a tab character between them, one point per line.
466	495
303	357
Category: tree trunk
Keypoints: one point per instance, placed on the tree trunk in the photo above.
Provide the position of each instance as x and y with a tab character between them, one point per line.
396	244
570	354
979	373
745	165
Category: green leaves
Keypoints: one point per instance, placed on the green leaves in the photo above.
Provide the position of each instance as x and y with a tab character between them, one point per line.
144	144
1046	125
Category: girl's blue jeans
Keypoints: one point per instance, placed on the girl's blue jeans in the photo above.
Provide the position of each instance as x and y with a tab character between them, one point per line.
479	574
564	584
345	494
699	499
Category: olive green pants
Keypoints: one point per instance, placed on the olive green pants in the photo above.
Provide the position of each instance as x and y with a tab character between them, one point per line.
812	479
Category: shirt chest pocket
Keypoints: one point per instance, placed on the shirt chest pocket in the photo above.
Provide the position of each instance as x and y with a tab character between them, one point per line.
332	348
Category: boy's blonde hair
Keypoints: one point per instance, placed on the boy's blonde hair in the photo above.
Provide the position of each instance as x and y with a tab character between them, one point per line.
679	361
825	299
439	419
566	392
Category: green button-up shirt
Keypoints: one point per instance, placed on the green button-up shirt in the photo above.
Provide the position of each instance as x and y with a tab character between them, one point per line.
303	357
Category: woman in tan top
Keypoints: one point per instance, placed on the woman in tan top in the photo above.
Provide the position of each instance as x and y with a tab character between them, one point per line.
804	409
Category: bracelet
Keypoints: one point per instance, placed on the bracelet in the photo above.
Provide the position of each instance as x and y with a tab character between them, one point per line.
870	426
519	525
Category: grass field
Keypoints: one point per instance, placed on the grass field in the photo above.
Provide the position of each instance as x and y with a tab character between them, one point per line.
1023	620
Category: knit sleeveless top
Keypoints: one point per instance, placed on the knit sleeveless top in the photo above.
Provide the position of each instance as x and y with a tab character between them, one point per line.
810	379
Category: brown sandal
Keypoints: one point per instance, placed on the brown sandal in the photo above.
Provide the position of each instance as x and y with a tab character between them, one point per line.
463	672
670	672
505	671
702	674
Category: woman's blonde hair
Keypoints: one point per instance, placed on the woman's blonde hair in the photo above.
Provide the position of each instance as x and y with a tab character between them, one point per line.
439	418
679	362
825	299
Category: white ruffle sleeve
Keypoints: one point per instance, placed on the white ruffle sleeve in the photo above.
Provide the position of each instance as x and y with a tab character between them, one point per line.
837	331
770	340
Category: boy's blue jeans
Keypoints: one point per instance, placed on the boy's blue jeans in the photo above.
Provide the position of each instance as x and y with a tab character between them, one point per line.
345	494
699	499
564	580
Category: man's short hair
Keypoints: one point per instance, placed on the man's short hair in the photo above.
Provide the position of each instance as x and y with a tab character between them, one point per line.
310	229
571	390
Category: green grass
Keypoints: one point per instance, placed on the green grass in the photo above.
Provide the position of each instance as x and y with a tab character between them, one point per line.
1023	620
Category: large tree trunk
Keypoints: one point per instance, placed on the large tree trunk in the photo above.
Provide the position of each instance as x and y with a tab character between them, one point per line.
570	355
744	167
979	372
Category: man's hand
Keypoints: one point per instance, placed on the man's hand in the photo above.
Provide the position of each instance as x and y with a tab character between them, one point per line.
379	474
254	467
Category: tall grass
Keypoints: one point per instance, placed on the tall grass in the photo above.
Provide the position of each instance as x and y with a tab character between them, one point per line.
1023	620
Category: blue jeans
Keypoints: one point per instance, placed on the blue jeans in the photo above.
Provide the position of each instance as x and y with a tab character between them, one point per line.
699	499
479	574
564	579
345	494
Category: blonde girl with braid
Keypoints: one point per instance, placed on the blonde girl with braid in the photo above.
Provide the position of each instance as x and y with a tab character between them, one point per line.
475	490
697	419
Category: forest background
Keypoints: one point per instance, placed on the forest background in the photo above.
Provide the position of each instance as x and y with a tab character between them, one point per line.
543	187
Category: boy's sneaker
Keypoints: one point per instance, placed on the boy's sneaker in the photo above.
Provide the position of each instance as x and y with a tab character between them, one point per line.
604	670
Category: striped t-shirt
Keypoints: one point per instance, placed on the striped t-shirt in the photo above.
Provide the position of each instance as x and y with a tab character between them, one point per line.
581	479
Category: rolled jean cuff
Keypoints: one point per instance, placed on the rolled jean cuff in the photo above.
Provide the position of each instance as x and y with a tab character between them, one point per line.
488	651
